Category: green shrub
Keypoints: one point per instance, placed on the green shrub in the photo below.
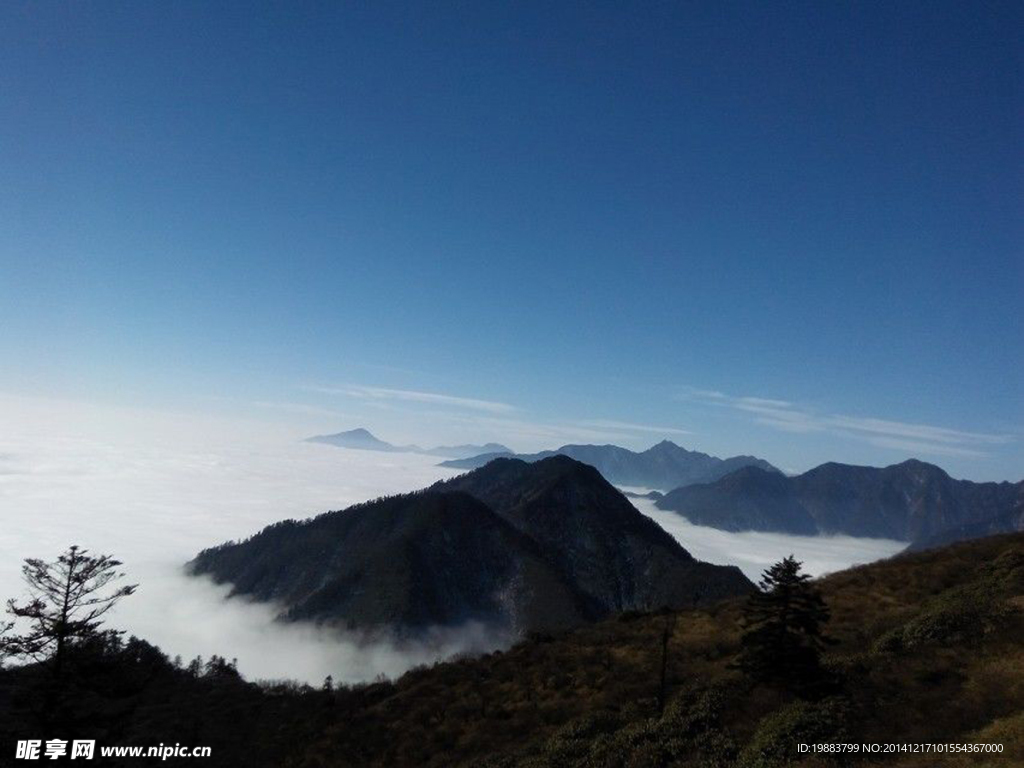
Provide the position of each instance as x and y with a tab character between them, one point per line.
689	730
957	616
777	736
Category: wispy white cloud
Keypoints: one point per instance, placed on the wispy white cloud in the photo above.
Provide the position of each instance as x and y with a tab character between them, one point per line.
706	394
489	418
300	408
528	434
631	427
918	431
884	433
916	446
779	414
764	402
413	396
478	419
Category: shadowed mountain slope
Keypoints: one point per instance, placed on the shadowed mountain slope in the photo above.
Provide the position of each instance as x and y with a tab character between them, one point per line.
618	556
519	546
408	561
911	501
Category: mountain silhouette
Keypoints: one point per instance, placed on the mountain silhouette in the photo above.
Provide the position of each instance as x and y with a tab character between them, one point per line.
912	501
518	546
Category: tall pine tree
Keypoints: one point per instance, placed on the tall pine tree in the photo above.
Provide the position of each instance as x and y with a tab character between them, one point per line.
783	623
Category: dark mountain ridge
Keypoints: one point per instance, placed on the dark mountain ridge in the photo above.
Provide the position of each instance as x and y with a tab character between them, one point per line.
619	557
520	547
663	466
911	501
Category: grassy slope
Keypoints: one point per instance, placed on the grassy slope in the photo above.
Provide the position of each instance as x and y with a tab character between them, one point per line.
929	644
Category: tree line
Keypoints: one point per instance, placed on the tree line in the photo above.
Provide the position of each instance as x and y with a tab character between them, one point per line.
781	646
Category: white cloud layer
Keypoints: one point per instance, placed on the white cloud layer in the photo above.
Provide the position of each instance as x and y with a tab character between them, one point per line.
753	551
153	489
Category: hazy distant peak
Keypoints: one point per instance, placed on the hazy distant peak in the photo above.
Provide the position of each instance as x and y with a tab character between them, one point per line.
663	466
467	450
665	444
361	438
753	471
916	465
358	438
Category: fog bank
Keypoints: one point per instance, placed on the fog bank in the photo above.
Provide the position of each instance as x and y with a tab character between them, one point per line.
153	489
753	551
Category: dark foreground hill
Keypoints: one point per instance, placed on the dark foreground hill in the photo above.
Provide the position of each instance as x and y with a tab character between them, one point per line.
927	651
663	466
912	501
519	547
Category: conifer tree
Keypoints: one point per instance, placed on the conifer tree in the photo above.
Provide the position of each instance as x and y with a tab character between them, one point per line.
67	600
6	641
783	624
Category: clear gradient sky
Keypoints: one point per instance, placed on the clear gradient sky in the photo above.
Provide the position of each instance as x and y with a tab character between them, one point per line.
789	229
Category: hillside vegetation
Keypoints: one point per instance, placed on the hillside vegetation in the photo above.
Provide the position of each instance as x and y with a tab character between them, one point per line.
927	648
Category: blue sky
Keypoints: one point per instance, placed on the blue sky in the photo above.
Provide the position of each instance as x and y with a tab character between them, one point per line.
784	229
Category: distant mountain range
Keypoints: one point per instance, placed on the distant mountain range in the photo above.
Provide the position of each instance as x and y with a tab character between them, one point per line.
912	501
364	440
664	466
520	546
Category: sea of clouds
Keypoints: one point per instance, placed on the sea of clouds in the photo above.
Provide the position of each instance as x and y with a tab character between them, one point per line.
153	489
753	551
